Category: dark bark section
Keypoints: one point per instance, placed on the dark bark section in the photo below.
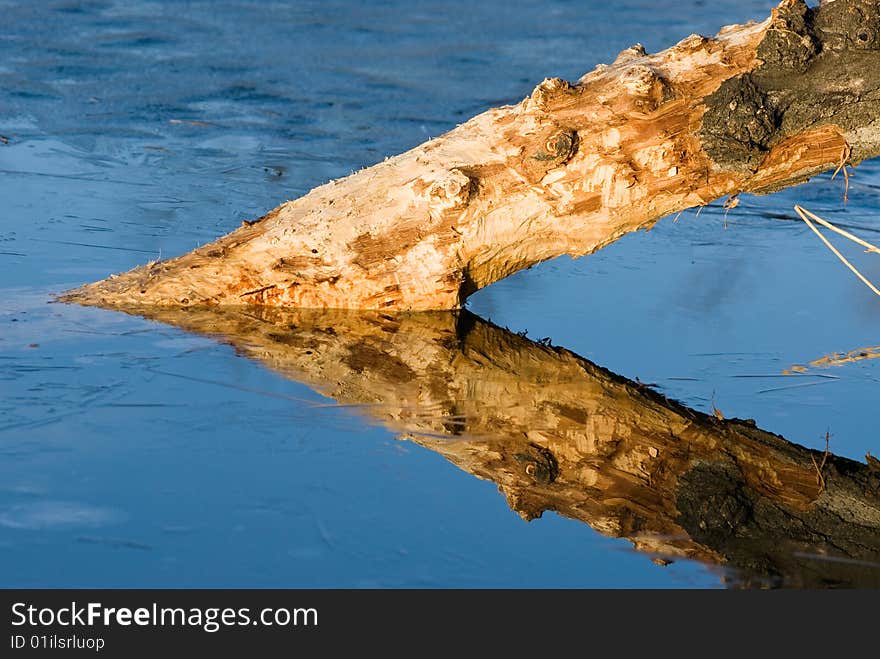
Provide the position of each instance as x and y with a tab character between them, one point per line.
821	66
557	432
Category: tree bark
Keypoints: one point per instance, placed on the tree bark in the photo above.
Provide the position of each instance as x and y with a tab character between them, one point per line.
557	432
570	169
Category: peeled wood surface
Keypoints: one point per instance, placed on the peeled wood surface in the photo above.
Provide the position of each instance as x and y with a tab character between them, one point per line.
557	432
570	169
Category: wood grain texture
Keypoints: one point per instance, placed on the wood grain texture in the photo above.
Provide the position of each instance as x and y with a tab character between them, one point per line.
570	169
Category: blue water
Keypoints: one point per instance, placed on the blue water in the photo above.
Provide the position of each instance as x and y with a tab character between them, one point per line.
139	130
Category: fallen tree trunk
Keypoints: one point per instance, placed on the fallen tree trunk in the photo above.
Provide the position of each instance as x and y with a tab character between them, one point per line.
570	169
556	432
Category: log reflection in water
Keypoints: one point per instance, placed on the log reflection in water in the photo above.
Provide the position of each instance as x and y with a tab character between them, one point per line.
556	432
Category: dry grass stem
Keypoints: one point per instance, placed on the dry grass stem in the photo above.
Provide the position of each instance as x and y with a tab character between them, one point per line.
844	159
846	234
820	479
731	203
803	214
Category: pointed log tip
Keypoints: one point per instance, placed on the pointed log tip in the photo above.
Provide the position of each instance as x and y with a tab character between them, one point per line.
114	291
85	296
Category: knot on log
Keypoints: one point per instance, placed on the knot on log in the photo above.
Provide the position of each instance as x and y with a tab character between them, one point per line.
554	147
789	43
849	25
634	52
693	42
450	194
548	90
647	88
558	148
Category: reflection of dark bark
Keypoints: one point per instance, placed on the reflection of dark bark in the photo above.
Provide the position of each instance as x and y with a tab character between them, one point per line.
557	432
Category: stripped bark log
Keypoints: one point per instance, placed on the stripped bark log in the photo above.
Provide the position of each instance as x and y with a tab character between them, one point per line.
570	169
558	433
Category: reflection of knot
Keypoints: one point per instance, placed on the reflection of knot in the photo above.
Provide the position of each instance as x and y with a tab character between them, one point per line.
451	193
524	503
539	464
